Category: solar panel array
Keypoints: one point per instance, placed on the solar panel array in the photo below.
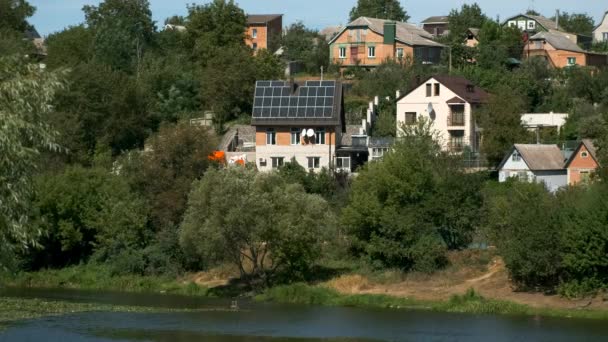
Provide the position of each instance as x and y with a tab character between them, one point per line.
274	99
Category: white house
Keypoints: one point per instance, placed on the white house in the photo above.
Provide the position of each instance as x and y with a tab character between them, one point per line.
449	102
539	120
600	33
535	163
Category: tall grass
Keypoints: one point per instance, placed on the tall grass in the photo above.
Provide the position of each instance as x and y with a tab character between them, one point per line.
470	302
100	277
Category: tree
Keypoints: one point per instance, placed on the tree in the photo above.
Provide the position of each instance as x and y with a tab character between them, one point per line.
26	93
256	222
580	23
70	47
123	30
501	123
306	46
382	9
82	211
461	20
14	14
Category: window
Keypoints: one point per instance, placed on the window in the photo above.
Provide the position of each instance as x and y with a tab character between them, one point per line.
522	176
378	152
314	162
516	157
277	162
605	36
571	61
342	52
371	52
521	24
456	141
585	176
320	136
512	23
255	46
531	24
400	53
254	34
429	90
584	154
343	164
437	87
456	115
271	136
295	136
410	118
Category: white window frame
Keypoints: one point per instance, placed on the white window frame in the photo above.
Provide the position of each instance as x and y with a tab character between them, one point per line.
571	61
320	136
516	157
254	33
605	36
531	25
400	53
277	162
271	136
371	52
340	165
342	52
379	152
314	162
521	24
296	136
512	23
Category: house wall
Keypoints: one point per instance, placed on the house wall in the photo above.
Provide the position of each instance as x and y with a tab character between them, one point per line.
525	24
362	39
417	101
301	152
472	42
513	168
579	165
557	58
435	29
601	30
266	32
553	179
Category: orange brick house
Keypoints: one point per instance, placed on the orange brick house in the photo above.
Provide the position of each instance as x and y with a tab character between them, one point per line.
262	30
583	163
367	42
560	50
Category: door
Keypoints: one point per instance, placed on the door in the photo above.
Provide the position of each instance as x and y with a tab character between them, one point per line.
354	51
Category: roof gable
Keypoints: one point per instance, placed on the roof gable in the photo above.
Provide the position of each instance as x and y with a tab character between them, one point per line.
460	86
439	19
559	40
589	146
545	22
541	157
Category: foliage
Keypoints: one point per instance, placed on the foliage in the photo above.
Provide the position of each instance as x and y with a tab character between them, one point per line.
306	46
82	211
386	123
70	47
26	93
382	9
256	222
469	16
387	78
14	14
580	23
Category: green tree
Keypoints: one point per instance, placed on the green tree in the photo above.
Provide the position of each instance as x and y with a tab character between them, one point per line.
14	14
306	46
256	222
382	9
580	23
469	16
501	123
123	30
26	94
70	47
82	211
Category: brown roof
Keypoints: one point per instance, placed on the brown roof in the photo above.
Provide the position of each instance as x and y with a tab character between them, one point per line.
559	40
588	143
440	19
541	157
455	99
261	18
463	88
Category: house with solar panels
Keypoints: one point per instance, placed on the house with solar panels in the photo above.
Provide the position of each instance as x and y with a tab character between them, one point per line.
367	42
301	121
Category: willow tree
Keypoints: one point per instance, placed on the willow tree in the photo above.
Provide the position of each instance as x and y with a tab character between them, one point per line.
26	93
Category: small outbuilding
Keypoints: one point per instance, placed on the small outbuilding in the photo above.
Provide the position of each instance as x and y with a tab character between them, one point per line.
582	163
535	163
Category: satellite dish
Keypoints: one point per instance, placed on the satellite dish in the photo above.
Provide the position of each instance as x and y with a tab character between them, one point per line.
304	132
431	111
310	133
430	108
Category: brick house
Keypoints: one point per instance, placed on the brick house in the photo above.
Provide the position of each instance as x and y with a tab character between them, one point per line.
582	163
301	121
560	50
437	25
263	30
449	102
367	42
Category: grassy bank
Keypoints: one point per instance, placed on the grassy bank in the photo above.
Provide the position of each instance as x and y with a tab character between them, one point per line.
469	302
13	310
99	277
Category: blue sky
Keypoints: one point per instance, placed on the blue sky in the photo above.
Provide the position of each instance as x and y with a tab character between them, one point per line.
54	15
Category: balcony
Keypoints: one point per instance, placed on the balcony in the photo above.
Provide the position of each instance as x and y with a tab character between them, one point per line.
456	119
455	146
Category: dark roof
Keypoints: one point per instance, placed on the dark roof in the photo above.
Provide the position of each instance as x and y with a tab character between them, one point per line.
456	99
31	33
261	18
545	22
538	157
347	137
559	40
313	103
588	143
381	141
464	88
474	31
440	19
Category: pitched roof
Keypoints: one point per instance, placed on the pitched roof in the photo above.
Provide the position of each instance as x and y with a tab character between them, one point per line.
439	19
455	99
541	157
261	18
330	31
601	21
545	22
588	143
347	137
474	31
406	33
463	88
559	40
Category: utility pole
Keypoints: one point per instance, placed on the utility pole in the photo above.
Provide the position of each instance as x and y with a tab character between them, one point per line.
450	66
321	73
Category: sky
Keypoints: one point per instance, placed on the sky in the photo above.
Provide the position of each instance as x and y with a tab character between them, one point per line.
54	15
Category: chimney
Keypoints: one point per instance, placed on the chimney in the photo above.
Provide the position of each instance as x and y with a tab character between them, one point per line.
376	100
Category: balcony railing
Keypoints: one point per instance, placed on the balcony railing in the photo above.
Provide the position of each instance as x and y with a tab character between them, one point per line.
456	119
455	146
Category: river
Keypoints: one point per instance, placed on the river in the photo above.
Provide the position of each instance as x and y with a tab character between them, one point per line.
274	322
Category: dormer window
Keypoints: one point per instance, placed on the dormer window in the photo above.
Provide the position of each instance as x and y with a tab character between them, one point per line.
516	157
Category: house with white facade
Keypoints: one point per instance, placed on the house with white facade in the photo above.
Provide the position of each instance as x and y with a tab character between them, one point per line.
533	121
449	102
600	33
535	163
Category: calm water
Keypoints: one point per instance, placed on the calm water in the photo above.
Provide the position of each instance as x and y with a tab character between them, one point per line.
271	322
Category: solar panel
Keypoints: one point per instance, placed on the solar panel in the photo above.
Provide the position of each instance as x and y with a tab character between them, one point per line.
275	99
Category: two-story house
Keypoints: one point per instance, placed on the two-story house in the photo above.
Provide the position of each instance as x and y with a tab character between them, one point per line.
262	30
437	25
368	42
600	32
560	50
449	102
534	24
301	121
